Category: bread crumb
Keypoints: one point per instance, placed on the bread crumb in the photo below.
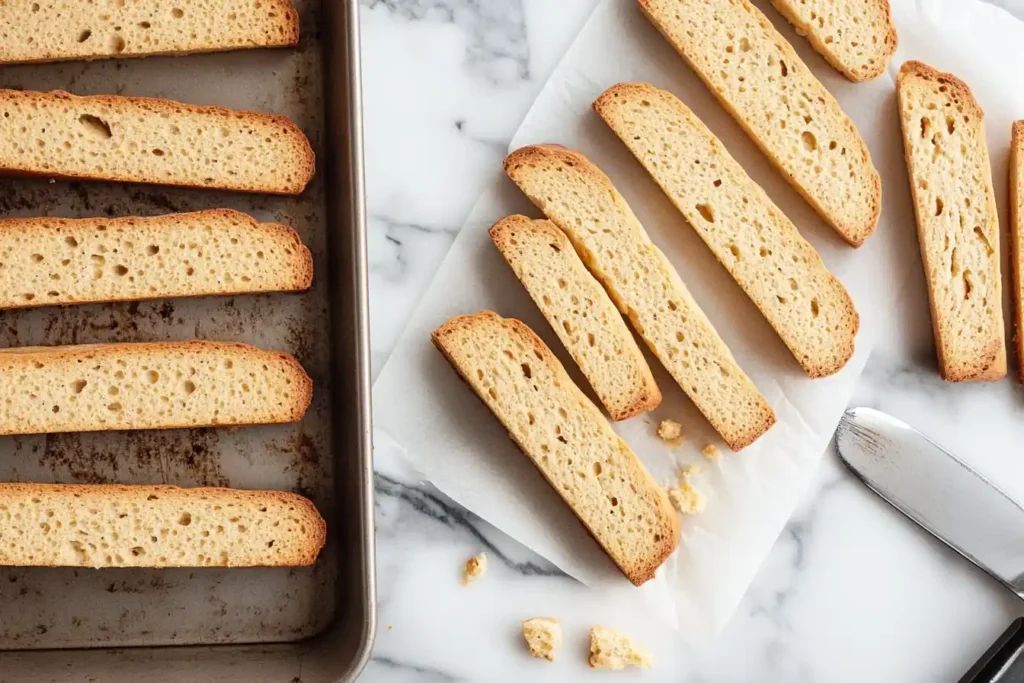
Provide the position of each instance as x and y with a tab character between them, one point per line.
609	649
476	567
543	636
671	432
711	452
390	627
684	497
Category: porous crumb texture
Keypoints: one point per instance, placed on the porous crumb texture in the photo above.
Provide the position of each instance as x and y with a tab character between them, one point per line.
543	637
46	261
957	222
100	526
54	30
610	649
1017	238
759	246
763	83
566	437
581	200
582	315
139	139
148	386
856	37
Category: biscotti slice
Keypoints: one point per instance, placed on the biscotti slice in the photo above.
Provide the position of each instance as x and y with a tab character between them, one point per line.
156	385
146	140
581	200
957	223
1017	238
56	525
856	37
582	315
788	113
759	246
566	437
46	261
56	30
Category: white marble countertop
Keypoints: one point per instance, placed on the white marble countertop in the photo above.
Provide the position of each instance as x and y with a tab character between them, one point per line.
851	590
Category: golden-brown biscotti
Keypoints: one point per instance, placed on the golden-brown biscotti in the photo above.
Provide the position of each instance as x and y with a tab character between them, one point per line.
147	140
751	237
580	199
49	261
566	437
158	385
57	525
57	30
957	220
762	82
856	37
579	310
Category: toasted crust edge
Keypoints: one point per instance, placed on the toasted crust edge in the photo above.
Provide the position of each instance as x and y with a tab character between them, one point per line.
1017	233
523	154
647	397
301	403
306	557
990	365
305	159
886	48
846	350
661	550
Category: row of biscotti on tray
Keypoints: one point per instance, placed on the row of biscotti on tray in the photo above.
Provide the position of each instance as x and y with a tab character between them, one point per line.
48	261
594	261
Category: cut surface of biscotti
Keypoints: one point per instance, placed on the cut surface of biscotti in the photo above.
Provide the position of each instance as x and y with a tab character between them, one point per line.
1017	238
582	315
55	30
566	437
157	385
856	37
56	525
579	198
957	222
759	246
788	113
46	261
147	140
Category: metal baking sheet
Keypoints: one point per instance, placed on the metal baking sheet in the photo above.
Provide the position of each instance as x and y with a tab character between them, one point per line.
323	615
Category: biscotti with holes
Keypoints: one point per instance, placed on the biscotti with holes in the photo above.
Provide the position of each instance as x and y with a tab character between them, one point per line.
57	525
48	261
751	237
57	30
147	140
957	220
157	385
762	82
566	437
1017	238
856	37
580	312
574	193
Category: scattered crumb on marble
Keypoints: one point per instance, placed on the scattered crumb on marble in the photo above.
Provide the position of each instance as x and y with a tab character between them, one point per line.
390	627
476	567
684	497
610	649
671	432
543	636
711	452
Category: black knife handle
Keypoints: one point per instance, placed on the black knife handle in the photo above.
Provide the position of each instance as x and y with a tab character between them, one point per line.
1004	661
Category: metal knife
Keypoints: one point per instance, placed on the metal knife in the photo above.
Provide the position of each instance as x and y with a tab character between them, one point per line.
929	485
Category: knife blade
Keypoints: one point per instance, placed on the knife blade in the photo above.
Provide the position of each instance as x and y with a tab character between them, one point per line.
954	503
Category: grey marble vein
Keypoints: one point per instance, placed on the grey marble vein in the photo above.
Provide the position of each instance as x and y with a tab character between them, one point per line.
411	672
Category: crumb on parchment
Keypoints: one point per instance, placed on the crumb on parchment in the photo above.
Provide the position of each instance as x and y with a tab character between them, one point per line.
711	452
684	497
671	432
543	636
476	567
610	649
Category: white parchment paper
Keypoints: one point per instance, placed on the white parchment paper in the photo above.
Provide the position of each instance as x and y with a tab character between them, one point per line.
448	434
